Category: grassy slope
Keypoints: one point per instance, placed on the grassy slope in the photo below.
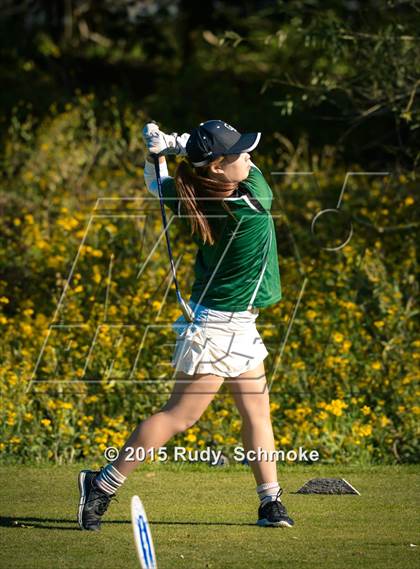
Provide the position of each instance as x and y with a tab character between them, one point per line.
207	515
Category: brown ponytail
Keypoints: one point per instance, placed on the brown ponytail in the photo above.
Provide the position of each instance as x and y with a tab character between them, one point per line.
192	183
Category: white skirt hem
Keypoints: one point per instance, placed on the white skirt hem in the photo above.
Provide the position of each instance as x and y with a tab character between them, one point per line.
218	343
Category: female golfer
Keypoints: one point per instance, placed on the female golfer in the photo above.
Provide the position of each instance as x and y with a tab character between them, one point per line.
227	202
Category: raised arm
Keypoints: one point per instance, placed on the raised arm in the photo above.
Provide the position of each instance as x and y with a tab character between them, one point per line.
150	173
157	142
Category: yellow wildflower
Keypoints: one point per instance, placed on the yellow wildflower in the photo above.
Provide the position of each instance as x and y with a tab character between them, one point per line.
191	438
68	223
330	362
303	411
100	439
336	407
11	419
236	425
92	399
365	430
268	332
311	314
26	329
384	421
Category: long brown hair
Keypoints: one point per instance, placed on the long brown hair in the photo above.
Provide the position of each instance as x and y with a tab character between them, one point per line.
194	182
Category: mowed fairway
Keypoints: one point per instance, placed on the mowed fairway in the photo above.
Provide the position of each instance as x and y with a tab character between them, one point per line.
203	517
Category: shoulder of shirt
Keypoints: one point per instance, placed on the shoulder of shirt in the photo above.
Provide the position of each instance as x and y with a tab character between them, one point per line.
253	166
254	173
254	180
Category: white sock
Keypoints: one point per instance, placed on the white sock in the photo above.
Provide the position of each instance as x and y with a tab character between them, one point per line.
268	492
109	479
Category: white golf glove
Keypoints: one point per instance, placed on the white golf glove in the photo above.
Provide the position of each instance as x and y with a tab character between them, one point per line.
158	142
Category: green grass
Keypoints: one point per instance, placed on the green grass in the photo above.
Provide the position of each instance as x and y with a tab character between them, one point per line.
204	517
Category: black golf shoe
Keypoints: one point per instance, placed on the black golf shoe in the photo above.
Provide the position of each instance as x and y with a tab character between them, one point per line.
93	502
274	514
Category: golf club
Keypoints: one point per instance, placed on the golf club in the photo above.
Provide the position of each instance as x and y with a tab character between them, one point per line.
186	309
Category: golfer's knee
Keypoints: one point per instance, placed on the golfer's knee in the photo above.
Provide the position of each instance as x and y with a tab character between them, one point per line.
255	416
180	422
185	423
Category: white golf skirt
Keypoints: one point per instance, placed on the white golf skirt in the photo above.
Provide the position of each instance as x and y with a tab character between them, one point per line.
218	342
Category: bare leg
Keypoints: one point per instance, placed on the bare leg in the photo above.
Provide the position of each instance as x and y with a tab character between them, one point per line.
250	392
190	397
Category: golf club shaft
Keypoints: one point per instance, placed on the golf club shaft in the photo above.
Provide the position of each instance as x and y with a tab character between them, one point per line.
186	309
